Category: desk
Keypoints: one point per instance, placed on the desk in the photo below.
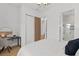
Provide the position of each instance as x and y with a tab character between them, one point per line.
18	40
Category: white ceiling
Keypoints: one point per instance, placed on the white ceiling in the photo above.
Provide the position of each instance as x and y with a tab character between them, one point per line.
34	6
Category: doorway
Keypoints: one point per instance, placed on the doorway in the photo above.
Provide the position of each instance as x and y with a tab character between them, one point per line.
68	25
37	28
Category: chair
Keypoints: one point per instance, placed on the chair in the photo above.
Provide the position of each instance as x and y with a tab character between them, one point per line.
4	31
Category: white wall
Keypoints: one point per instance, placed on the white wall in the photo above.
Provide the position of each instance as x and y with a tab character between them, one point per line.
27	23
9	17
29	26
53	13
54	16
68	19
13	16
22	28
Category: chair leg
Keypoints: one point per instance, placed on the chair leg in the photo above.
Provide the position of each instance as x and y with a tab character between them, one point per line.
2	49
8	49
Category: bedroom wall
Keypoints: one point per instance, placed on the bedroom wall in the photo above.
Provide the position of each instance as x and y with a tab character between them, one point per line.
9	17
53	13
54	16
27	23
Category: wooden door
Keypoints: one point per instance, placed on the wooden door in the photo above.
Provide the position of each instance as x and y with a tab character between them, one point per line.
37	28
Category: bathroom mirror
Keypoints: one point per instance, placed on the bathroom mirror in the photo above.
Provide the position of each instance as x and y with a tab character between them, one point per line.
68	25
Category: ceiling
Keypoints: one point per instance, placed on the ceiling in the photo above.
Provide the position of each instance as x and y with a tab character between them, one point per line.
35	6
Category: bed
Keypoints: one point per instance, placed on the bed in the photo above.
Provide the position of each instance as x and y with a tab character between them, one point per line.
44	48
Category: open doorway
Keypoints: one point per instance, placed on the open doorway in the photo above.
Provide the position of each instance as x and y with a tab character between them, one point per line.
68	25
40	28
37	28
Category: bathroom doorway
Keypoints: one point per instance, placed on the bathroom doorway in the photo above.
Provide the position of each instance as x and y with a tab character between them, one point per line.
68	25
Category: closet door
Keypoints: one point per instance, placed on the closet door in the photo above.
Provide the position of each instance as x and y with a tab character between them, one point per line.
37	28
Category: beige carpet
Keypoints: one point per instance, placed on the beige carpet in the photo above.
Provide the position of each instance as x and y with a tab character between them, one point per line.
13	51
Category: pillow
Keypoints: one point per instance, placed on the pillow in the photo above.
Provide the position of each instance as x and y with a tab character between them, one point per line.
72	47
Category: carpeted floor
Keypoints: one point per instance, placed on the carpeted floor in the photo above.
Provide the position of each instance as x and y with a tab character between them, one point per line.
13	51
